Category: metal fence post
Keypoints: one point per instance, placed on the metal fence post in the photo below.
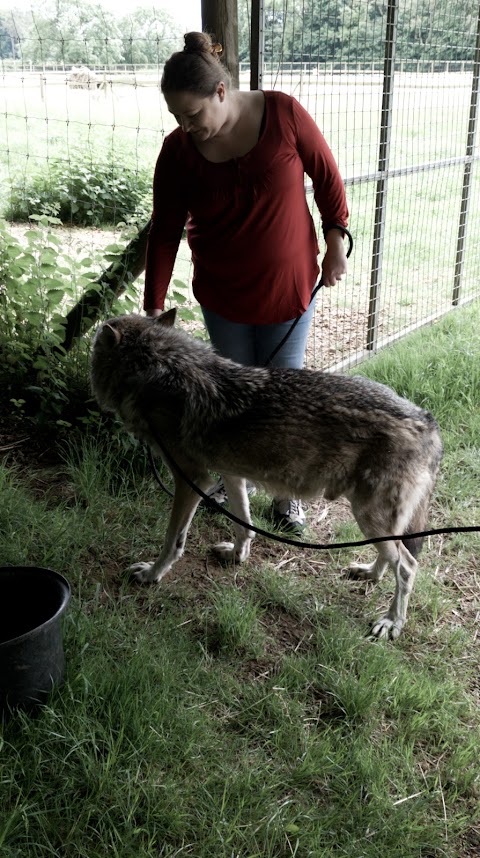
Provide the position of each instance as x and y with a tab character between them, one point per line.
257	53
383	163
468	171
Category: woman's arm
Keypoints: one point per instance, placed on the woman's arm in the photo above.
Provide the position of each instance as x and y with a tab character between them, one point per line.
169	215
329	192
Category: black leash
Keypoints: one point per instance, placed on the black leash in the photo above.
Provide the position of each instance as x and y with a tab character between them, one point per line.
298	543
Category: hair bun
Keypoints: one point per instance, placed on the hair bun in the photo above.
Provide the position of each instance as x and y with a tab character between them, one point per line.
197	69
200	43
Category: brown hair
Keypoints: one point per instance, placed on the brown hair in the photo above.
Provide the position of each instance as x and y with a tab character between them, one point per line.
197	68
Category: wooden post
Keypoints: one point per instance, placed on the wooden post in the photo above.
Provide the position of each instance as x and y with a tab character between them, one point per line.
220	19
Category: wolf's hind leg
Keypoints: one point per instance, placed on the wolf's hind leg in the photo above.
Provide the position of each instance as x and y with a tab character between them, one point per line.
239	550
185	503
404	567
379	517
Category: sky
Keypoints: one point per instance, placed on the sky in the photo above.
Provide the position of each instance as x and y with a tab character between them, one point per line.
185	12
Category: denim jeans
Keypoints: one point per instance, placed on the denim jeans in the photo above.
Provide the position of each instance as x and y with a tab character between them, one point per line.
252	345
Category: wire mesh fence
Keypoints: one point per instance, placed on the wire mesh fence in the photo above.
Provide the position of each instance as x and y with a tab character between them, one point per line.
392	85
394	88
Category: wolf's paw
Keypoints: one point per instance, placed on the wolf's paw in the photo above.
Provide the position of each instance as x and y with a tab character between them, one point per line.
225	551
364	572
228	552
386	628
361	571
143	573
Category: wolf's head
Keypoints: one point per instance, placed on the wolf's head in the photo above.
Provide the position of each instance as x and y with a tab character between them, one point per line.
120	347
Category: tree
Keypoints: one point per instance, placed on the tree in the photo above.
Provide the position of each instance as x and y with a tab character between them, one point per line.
73	33
13	26
7	40
437	30
149	35
354	30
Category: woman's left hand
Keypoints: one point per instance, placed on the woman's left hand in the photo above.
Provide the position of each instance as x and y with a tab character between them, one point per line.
334	264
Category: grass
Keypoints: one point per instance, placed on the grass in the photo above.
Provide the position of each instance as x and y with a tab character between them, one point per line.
244	712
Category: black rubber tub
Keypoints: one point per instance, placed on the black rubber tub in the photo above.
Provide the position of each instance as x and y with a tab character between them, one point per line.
32	660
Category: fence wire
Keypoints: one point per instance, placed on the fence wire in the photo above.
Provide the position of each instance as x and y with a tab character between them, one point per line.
394	88
392	85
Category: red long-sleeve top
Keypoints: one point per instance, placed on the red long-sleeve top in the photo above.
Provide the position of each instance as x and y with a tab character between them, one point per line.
253	241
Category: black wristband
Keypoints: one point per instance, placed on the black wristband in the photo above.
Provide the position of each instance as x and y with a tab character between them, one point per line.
344	231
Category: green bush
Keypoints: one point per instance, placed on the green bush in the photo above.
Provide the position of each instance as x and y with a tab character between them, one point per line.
39	283
83	192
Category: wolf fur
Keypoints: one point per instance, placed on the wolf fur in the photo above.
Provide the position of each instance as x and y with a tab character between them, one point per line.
295	432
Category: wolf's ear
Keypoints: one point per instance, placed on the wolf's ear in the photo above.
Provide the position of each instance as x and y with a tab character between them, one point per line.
168	318
108	336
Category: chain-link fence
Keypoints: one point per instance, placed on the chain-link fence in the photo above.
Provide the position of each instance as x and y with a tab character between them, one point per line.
393	86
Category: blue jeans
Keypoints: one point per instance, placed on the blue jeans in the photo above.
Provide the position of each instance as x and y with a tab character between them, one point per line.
252	345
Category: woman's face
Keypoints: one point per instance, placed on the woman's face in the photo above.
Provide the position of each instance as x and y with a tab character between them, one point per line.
201	117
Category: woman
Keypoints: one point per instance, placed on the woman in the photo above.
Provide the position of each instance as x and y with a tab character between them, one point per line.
234	173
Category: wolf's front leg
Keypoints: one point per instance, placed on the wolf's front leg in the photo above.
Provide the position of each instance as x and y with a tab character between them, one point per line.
239	550
185	502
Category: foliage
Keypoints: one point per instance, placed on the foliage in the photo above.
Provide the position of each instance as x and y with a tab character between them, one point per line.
294	30
69	32
8	47
83	191
88	34
149	36
434	30
349	30
38	284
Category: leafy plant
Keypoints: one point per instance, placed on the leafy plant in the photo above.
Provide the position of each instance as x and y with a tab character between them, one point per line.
188	312
83	191
39	283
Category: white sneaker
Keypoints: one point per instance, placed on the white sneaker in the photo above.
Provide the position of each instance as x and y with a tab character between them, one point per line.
218	493
289	515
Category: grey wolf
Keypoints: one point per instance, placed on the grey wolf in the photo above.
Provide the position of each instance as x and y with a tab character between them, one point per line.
295	432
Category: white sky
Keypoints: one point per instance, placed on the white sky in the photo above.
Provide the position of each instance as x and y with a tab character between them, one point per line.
185	12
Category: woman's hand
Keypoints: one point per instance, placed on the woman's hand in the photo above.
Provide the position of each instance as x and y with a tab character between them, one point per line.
334	264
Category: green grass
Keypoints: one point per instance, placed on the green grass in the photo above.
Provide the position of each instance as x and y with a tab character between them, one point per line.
244	712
